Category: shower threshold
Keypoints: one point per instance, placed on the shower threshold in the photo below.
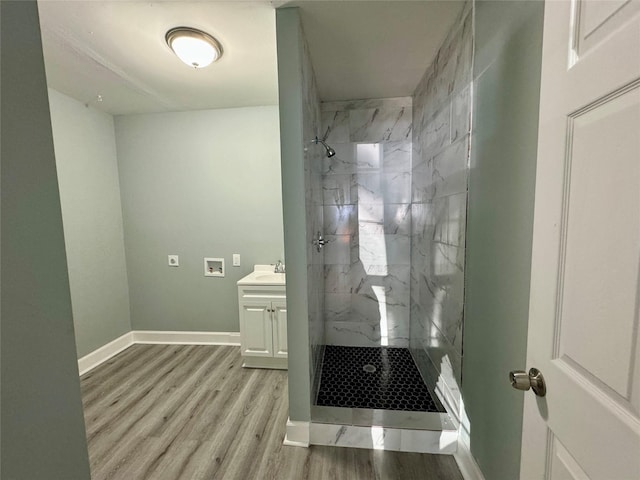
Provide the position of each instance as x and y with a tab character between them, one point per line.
375	398
401	431
369	417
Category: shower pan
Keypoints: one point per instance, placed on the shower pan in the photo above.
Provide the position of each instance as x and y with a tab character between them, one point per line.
375	397
382	378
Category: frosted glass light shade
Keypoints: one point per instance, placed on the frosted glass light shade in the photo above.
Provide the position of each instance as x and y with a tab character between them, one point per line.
194	47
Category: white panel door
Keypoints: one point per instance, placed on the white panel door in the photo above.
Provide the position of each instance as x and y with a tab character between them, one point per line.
256	338
279	329
583	316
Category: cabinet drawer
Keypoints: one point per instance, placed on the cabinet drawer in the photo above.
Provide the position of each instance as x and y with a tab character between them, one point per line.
261	292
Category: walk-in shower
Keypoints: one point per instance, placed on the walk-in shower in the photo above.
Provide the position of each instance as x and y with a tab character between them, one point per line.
385	215
394	200
366	369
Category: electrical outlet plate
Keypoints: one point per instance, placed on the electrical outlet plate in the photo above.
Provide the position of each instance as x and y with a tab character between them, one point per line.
173	260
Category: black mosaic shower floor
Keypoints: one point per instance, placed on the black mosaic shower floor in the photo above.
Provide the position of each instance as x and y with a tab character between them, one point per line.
349	380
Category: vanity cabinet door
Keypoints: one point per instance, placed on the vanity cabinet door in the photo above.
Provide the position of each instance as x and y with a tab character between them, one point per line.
279	309
256	336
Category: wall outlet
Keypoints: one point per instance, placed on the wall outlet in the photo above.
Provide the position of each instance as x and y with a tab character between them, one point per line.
236	259
173	260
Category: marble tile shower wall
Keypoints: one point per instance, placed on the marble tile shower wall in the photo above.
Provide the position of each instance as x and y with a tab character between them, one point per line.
367	221
441	135
313	156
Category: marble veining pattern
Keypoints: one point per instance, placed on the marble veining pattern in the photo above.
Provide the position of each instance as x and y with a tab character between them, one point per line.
339	219
367	417
381	438
346	105
380	125
397	157
369	248
337	189
335	126
338	250
367	220
379	219
440	141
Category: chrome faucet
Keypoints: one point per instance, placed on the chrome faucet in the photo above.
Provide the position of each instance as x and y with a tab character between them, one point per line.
279	267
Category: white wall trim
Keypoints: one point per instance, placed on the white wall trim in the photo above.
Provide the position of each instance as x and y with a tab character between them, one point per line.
297	434
104	353
466	463
186	338
463	456
450	399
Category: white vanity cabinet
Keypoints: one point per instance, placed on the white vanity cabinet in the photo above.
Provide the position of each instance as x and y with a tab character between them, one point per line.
263	325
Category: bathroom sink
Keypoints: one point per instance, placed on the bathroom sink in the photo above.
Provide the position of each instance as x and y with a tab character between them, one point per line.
263	275
270	277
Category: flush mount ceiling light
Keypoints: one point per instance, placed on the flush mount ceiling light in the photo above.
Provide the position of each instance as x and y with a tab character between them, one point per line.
194	47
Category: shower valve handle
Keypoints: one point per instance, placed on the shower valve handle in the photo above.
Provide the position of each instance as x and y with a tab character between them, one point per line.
319	242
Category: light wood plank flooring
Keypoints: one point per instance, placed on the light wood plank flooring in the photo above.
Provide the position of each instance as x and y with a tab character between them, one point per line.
167	412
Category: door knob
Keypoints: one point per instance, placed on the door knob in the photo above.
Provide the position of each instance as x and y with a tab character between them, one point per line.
534	380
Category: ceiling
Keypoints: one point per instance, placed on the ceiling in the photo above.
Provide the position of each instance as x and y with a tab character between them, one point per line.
112	54
373	49
116	49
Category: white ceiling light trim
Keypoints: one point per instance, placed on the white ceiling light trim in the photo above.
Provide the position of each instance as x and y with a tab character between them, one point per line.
194	47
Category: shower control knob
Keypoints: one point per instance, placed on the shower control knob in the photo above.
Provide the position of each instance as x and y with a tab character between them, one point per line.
319	241
521	380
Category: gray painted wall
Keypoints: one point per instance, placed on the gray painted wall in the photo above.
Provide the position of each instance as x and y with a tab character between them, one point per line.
290	81
43	435
501	192
197	184
85	148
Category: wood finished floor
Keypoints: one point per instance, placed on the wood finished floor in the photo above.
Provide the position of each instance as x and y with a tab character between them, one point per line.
168	412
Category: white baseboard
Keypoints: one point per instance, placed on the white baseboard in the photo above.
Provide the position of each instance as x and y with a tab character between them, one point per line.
450	398
104	353
265	362
466	463
297	434
186	338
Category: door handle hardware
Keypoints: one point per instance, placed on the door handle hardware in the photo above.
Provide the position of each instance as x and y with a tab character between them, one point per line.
521	380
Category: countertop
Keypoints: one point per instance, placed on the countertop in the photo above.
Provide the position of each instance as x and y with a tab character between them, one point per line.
263	275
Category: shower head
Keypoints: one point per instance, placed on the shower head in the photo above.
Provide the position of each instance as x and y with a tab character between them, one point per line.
330	151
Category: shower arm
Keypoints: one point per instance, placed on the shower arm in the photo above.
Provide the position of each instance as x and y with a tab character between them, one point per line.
330	151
